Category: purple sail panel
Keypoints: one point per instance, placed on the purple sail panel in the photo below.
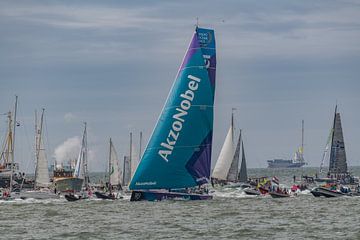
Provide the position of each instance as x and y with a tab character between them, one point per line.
212	72
200	163
194	45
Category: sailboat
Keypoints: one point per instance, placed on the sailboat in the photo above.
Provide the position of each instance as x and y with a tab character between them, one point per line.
7	164
226	171
338	169
73	181
178	155
42	180
114	176
10	177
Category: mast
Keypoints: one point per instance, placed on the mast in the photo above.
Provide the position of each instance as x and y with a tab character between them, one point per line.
13	145
7	148
130	155
123	175
38	134
140	146
109	182
232	123
302	136
85	159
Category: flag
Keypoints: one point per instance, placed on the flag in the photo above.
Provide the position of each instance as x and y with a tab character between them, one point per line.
275	180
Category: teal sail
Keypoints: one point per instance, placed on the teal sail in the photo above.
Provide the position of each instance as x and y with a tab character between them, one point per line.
178	154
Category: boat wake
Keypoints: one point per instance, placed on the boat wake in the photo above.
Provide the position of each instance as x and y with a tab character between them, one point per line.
230	193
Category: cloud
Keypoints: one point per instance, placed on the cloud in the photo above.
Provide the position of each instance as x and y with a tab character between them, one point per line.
69	117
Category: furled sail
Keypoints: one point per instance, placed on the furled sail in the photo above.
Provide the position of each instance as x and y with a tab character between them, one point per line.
178	154
337	154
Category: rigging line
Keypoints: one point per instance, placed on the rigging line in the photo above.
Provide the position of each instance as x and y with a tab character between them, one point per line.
47	137
5	138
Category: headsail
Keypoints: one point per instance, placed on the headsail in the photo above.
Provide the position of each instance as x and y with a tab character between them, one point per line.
243	170
234	168
126	172
337	155
178	154
80	168
42	171
326	150
114	168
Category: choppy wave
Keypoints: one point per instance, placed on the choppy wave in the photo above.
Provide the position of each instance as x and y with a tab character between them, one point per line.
230	215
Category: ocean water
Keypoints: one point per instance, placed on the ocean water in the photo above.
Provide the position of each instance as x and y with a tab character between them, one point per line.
230	215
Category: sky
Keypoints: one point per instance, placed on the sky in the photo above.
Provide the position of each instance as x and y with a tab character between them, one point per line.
112	63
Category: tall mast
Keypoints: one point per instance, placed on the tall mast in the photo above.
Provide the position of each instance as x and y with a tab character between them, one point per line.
109	184
140	146
85	159
38	134
6	152
302	135
232	124
130	154
14	128
13	144
123	174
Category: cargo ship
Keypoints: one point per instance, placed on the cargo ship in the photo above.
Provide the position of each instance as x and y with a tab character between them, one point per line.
296	162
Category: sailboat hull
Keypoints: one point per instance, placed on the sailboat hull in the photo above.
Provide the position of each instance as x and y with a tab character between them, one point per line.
72	198
154	195
108	196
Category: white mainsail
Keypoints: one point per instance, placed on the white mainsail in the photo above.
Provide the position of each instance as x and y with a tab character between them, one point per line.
42	171
224	161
